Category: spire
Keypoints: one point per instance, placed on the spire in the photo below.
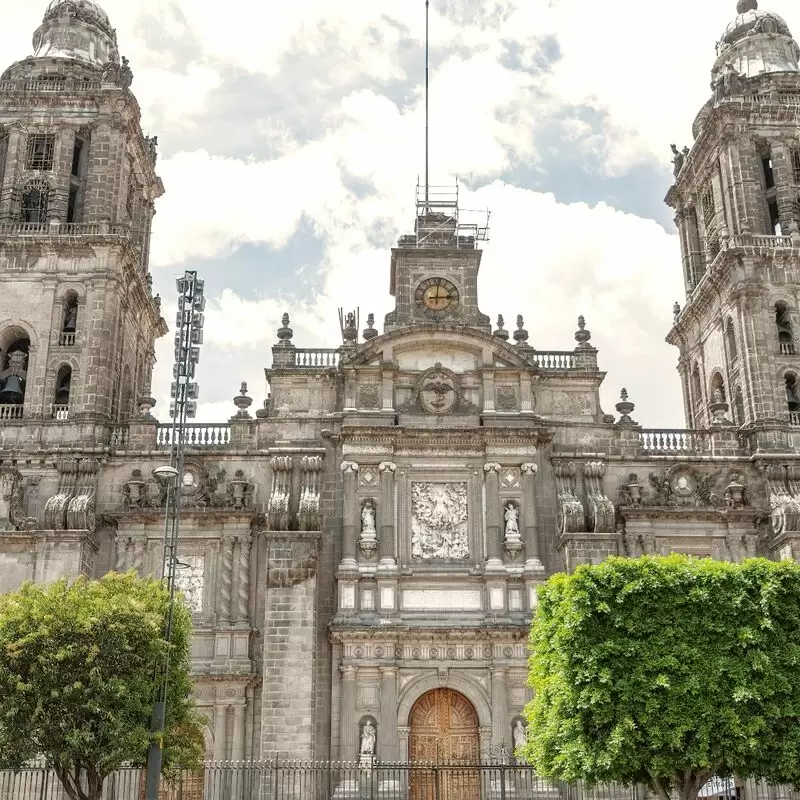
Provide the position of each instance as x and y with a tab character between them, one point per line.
743	6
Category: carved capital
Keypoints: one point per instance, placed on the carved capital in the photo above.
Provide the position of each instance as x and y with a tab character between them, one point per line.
387	467
349	467
492	468
348	673
529	469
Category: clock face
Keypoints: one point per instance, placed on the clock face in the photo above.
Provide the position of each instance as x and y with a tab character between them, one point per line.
436	295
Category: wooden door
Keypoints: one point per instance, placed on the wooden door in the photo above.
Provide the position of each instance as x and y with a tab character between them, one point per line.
444	732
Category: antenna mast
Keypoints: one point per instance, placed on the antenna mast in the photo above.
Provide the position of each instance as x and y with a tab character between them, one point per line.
427	85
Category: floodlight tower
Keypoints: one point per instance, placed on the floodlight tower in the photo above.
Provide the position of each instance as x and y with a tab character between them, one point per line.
184	393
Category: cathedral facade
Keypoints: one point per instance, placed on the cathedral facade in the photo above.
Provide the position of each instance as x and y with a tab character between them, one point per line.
361	554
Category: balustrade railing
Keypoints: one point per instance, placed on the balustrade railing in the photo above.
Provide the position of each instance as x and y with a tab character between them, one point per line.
319	358
50	86
200	435
66	339
62	229
558	360
119	436
11	411
61	413
794	418
666	441
787	348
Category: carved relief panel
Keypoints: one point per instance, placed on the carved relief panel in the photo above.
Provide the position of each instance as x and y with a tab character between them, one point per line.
439	517
439	521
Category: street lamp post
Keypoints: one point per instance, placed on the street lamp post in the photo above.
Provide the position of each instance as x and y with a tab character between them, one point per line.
188	338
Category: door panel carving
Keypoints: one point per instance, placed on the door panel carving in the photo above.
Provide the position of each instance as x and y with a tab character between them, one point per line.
444	731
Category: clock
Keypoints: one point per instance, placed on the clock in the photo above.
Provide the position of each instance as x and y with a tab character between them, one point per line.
437	296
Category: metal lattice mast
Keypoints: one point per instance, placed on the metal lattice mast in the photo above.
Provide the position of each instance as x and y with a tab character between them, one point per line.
184	393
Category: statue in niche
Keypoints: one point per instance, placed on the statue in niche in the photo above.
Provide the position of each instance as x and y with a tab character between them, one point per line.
512	521
368	518
520	737
368	739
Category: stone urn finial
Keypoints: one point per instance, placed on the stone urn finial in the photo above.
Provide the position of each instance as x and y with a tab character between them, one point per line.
369	332
285	333
501	332
520	334
242	402
582	336
625	408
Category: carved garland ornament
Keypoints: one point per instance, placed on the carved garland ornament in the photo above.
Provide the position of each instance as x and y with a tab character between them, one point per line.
280	497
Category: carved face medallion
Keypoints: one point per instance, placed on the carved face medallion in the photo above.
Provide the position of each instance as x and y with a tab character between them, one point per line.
437	390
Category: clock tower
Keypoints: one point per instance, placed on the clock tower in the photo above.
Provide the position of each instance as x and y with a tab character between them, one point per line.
434	276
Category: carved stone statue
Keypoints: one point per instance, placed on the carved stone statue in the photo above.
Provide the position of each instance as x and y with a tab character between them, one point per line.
512	520
125	74
520	734
368	518
368	739
678	160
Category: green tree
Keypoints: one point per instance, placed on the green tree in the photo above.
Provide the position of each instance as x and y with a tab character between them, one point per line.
77	668
667	671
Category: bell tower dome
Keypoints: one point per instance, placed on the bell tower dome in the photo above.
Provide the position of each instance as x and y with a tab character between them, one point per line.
737	208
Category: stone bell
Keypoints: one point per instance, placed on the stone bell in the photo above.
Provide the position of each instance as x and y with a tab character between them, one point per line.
13	391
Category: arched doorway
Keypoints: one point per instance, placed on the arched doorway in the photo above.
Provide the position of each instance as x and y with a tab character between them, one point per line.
444	731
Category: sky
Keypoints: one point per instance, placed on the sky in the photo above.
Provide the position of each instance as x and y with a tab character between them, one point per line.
292	137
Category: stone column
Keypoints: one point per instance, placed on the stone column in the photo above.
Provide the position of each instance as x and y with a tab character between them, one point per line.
388	744
220	743
237	751
226	581
121	564
349	522
348	725
243	594
388	549
530	530
137	556
500	734
493	544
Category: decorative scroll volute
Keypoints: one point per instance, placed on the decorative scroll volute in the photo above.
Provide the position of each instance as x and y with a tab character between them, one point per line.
278	508
571	517
309	516
601	509
784	504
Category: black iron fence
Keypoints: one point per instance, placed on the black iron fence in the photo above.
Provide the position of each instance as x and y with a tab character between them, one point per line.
276	780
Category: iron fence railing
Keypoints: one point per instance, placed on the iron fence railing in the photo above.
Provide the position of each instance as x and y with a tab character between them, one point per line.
296	780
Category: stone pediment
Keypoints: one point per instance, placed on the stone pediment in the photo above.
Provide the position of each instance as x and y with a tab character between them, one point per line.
418	348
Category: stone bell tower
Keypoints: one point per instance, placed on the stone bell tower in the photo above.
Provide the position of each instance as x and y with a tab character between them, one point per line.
737	202
77	191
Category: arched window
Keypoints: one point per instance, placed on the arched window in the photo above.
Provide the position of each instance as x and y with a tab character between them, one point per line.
63	386
69	319
14	349
35	201
792	397
718	389
738	407
730	340
783	322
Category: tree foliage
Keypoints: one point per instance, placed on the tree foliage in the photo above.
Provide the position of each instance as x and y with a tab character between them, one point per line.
667	671
77	670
